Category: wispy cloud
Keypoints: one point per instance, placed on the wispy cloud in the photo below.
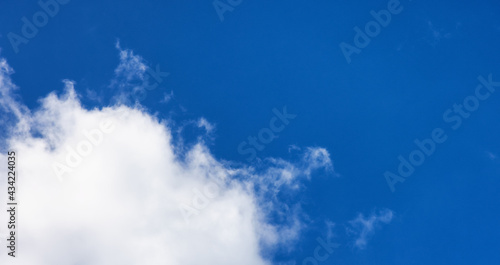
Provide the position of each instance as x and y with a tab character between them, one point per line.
9	102
167	97
364	227
316	158
436	34
491	155
131	66
203	123
133	78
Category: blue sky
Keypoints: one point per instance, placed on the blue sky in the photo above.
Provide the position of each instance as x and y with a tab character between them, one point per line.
263	56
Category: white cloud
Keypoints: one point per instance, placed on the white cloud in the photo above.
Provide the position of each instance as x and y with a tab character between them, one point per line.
130	79
131	66
120	203
316	158
364	227
203	123
8	102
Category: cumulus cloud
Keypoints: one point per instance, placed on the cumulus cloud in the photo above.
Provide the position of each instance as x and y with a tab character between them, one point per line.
364	227
109	186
